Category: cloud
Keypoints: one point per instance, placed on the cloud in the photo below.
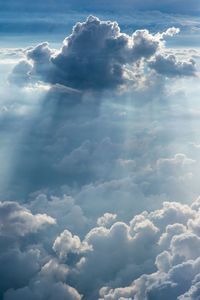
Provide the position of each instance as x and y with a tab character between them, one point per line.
93	56
115	254
17	220
20	73
93	171
178	264
154	255
67	213
66	243
106	219
48	284
97	56
17	266
169	66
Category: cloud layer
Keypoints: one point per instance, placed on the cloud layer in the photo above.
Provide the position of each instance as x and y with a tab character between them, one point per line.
100	165
156	253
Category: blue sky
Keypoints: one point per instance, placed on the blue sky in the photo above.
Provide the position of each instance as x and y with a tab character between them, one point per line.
100	150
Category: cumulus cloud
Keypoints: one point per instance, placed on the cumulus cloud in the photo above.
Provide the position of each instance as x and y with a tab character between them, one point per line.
66	243
67	213
109	166
96	55
116	253
169	66
106	219
17	220
17	266
153	256
48	284
178	267
20	73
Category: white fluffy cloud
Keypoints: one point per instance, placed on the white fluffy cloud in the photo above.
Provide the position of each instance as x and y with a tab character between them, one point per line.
66	243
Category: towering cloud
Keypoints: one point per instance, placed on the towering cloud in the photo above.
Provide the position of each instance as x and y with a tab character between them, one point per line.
97	56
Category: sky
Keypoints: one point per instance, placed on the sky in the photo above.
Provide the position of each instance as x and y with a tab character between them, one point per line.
100	150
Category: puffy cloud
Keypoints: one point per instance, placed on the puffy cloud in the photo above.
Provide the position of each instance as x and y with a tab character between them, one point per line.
115	254
96	55
48	284
194	291
17	267
172	212
66	243
178	266
20	259
67	213
169	66
156	254
171	230
106	219
17	220
20	73
65	150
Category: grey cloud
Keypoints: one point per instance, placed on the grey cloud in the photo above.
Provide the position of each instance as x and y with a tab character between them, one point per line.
106	219
17	220
161	244
20	73
67	213
95	57
65	151
48	284
169	66
194	291
115	254
178	266
66	243
17	267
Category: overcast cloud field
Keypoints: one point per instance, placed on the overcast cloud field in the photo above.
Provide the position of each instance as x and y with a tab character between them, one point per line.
100	150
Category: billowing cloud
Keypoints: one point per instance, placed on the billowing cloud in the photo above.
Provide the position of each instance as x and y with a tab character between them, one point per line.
17	220
178	266
64	210
169	66
66	243
97	184
106	219
48	284
97	56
